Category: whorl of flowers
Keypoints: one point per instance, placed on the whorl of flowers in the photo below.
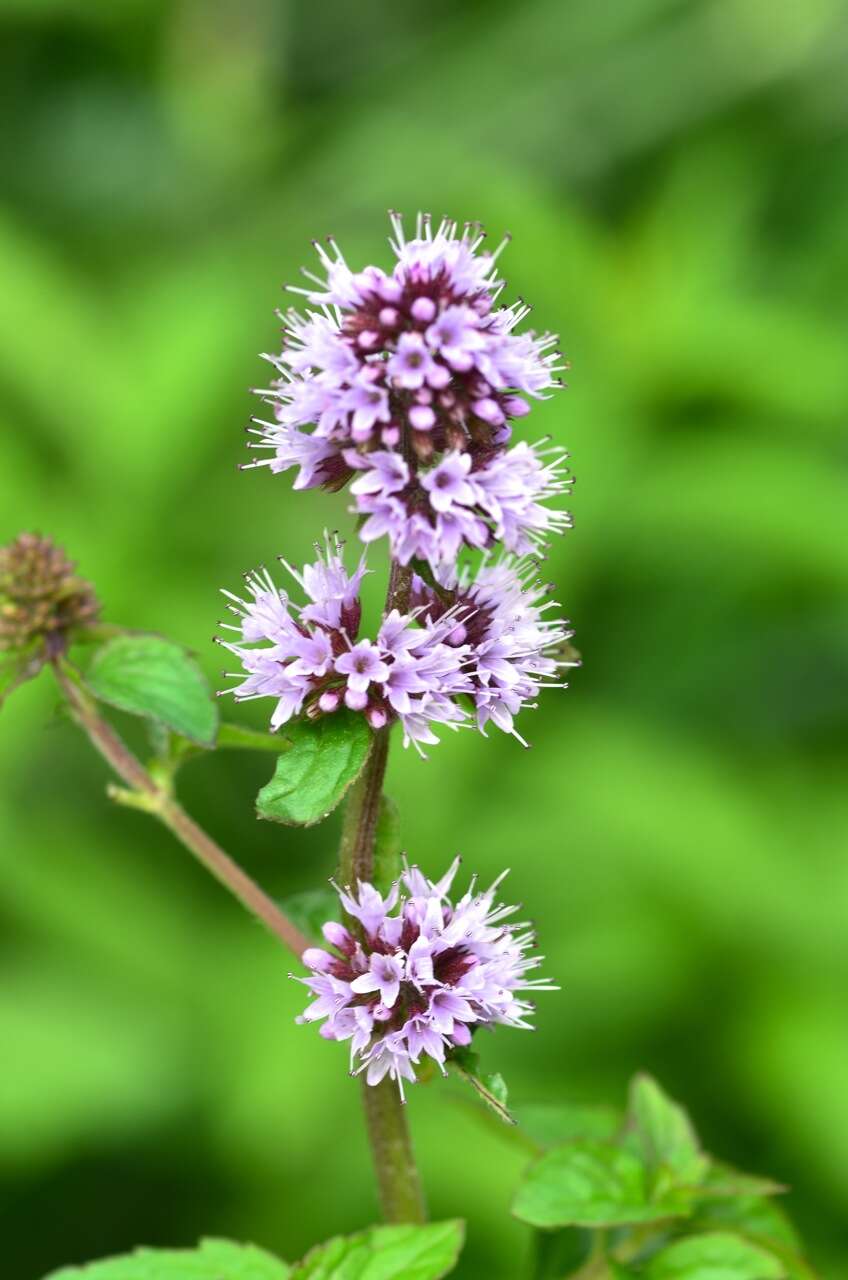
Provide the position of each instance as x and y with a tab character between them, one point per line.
42	600
514	649
407	383
467	645
416	975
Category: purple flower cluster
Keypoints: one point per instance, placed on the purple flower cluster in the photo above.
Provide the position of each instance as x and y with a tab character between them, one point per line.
416	975
513	649
409	381
467	645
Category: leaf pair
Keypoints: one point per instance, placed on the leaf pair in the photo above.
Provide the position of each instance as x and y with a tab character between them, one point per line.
381	1253
673	1211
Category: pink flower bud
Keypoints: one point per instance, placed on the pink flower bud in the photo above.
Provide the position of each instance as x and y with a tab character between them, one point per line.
422	417
423	309
320	961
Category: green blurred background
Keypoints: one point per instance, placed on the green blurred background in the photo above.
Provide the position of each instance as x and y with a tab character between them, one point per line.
675	176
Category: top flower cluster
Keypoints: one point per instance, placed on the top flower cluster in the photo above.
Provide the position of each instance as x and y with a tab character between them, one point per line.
406	383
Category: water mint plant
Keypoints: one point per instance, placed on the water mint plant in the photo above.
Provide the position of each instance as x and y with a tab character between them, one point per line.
402	386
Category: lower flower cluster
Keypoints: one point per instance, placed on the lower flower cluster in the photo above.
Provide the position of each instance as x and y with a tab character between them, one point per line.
471	649
415	975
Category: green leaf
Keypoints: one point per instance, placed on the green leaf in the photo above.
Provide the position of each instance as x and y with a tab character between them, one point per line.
759	1219
387	845
236	736
723	1180
386	1253
762	1222
326	756
715	1256
663	1133
311	909
490	1087
548	1124
592	1184
150	676
211	1260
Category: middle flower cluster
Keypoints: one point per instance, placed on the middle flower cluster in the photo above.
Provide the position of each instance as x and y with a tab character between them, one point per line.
478	647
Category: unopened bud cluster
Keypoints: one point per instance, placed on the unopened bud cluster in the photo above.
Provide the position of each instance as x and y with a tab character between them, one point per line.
42	600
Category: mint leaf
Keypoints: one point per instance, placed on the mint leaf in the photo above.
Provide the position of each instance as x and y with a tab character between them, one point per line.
663	1133
716	1256
490	1087
150	676
548	1124
723	1180
309	780
386	1253
592	1184
761	1222
211	1260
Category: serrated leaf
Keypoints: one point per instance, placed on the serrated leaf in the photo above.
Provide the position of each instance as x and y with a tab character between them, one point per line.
663	1133
548	1124
147	675
715	1256
490	1087
310	779
311	909
211	1260
592	1184
386	1253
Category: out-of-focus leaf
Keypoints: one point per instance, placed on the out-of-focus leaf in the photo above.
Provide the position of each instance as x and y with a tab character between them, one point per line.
386	1253
490	1087
211	1260
715	1256
150	676
592	1184
723	1180
547	1124
761	1221
663	1133
310	779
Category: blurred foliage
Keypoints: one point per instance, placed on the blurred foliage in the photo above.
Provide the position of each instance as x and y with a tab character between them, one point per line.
675	174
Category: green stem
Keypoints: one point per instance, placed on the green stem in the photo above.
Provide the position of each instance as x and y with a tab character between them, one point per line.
146	793
401	1196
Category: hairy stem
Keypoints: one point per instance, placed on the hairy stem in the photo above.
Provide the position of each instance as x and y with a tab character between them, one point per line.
401	1197
150	795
